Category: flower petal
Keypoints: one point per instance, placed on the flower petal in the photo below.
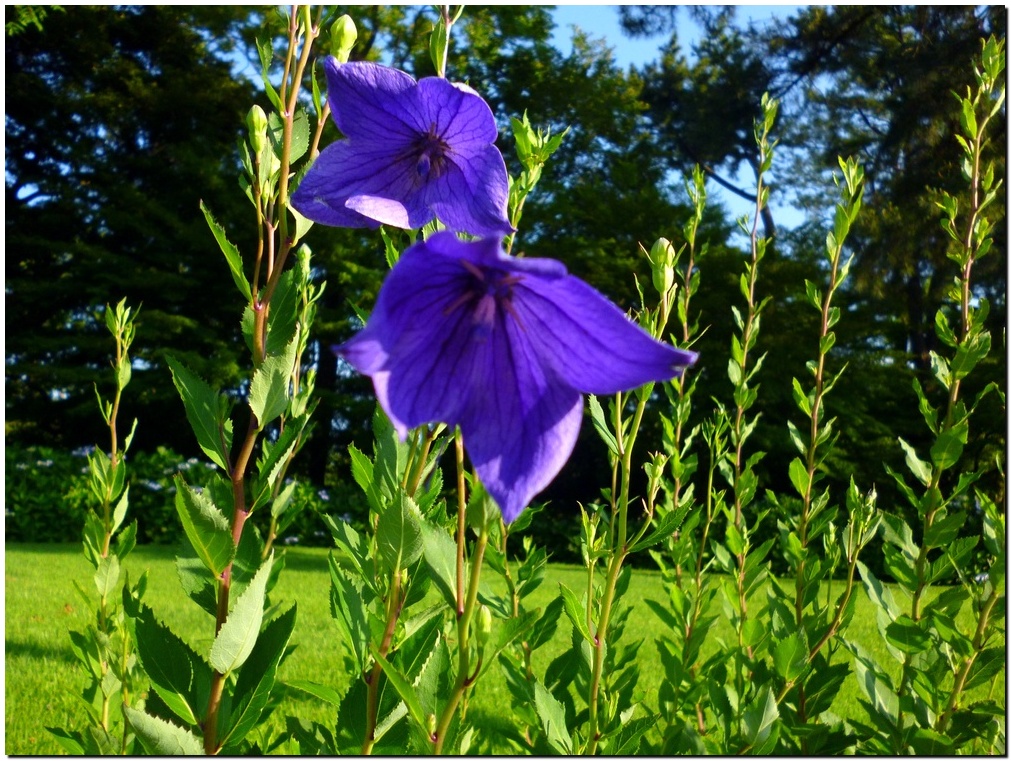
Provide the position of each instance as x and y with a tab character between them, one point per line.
461	117
416	336
358	184
588	341
366	100
520	424
473	194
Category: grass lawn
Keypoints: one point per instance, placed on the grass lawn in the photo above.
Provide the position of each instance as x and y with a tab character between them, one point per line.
43	681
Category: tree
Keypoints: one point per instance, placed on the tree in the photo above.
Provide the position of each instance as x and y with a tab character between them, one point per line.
119	121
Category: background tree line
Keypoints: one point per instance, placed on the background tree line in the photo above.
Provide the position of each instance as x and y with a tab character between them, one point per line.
120	120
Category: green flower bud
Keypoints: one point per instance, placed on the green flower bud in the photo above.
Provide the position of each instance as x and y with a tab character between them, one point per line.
256	121
343	35
483	625
661	257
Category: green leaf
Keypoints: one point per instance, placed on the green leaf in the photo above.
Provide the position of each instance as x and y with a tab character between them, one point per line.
235	641
398	535
759	717
72	742
813	294
160	738
231	254
626	741
988	664
878	593
948	446
299	134
351	613
321	691
268	391
552	716
206	412
205	527
944	531
256	677
402	686
126	541
576	612
916	466
174	669
107	575
904	634
670	524
789	656
600	424
353	547
275	455
969	353
119	513
440	557
509	630
799	476
801	398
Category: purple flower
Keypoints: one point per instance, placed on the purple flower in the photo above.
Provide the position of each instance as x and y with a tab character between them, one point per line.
465	334
414	151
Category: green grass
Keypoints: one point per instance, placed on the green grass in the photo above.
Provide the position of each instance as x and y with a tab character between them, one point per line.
43	680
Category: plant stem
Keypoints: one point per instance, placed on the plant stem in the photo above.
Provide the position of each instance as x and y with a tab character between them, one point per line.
394	604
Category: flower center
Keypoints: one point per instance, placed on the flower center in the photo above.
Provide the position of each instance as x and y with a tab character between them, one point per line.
486	292
432	151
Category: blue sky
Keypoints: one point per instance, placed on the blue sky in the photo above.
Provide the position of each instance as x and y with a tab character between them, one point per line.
602	22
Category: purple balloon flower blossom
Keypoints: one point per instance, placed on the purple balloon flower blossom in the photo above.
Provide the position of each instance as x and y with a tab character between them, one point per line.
465	334
414	151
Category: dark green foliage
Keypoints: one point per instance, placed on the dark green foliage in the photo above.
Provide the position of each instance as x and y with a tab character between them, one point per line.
119	121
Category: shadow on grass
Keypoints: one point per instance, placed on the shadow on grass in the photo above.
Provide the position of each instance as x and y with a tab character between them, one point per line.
33	651
65	548
301	560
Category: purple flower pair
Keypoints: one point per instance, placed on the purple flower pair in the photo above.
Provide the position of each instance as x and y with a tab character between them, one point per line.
462	333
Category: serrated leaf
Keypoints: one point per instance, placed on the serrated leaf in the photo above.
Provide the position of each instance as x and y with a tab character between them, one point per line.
323	692
256	677
789	656
107	575
171	665
206	528
667	527
351	613
944	531
576	612
948	446
552	716
626	741
916	466
237	636
904	634
231	254
72	742
161	738
759	717
877	592
402	686
440	557
126	541
205	410
268	391
119	513
270	466
600	424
